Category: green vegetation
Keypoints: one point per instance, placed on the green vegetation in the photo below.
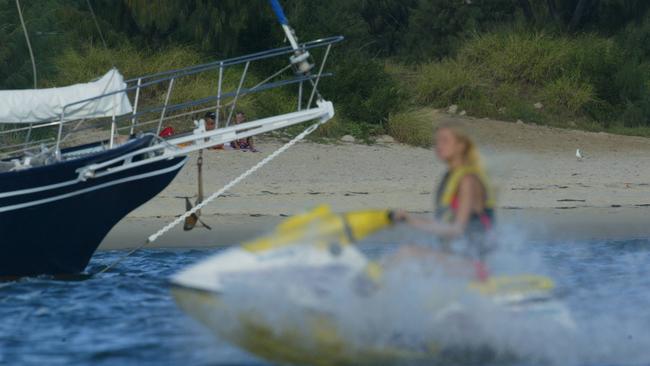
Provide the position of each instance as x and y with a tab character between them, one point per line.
413	127
569	63
504	74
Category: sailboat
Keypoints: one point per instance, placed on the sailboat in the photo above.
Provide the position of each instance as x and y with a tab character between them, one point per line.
75	160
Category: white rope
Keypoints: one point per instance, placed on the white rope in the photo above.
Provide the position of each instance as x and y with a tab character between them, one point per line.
233	183
215	195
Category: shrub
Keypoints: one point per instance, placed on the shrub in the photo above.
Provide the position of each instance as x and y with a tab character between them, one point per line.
447	82
361	89
512	56
633	115
567	95
595	60
91	62
414	127
437	28
504	74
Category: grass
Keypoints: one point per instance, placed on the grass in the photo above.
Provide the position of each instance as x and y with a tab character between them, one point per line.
517	57
582	80
413	127
568	95
448	82
77	66
506	75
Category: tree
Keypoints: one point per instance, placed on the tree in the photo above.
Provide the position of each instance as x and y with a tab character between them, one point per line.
224	27
579	12
436	27
528	11
386	20
552	10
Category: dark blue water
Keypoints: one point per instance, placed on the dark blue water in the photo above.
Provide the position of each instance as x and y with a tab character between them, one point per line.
127	317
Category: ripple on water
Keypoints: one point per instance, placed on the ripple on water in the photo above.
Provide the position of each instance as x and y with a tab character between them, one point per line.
127	317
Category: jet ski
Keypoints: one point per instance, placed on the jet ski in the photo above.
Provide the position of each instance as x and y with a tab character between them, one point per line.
306	294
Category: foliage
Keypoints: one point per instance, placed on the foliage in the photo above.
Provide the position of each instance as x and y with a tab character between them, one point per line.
447	82
54	27
438	27
362	90
503	74
524	57
584	60
413	127
223	26
567	95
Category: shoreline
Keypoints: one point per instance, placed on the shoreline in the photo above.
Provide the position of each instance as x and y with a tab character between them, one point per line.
537	224
539	184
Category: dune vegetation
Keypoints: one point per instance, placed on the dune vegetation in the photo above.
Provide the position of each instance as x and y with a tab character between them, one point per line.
568	63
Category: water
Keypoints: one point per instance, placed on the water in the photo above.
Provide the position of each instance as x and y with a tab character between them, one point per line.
127	317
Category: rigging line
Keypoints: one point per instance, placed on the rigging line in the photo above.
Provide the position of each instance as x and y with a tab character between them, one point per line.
28	136
99	30
215	195
29	44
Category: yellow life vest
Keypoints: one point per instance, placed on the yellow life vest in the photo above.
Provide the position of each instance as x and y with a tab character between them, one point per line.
446	194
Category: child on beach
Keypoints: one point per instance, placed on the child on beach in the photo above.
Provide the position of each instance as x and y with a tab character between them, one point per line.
242	144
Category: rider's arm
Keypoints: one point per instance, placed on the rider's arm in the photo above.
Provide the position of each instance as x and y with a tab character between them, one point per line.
469	192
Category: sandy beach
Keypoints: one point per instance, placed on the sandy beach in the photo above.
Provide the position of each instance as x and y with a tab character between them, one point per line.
539	184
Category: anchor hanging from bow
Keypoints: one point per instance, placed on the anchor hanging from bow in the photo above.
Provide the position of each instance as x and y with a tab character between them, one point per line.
195	218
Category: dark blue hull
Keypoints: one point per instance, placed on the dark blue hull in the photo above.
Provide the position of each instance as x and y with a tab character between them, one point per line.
57	230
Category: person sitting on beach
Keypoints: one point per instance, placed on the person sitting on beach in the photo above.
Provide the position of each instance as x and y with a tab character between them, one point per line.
242	144
210	121
464	203
210	124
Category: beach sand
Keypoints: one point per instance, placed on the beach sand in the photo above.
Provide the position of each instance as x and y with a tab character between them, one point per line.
539	183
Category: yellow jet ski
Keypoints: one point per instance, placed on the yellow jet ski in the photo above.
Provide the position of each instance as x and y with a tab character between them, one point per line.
300	294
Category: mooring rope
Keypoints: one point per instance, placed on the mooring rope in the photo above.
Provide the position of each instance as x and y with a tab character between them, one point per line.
216	194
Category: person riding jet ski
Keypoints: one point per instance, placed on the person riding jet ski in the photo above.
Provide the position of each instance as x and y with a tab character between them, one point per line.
464	203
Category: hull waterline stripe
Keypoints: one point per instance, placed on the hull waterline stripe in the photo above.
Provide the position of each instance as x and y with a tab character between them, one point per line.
94	188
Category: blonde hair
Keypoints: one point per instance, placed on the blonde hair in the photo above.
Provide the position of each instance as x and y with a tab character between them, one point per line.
471	154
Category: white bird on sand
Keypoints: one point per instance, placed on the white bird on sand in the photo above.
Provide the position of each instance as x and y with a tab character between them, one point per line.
578	155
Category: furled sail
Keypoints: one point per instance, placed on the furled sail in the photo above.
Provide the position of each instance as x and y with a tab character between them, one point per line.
43	105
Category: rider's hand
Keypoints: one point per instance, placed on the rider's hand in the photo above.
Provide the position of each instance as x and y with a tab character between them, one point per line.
399	216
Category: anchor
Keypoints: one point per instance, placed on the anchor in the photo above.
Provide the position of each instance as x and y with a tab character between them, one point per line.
195	218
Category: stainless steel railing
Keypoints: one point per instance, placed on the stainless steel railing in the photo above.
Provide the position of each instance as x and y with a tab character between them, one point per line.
145	94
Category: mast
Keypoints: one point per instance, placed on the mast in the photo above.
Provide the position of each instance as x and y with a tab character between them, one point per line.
300	59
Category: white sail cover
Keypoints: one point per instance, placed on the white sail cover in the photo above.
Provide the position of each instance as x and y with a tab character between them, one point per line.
42	105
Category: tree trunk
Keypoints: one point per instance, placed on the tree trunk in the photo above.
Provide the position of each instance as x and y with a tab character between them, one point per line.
528	10
552	10
578	13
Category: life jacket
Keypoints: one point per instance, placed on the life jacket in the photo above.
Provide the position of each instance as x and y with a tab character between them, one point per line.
447	198
479	225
